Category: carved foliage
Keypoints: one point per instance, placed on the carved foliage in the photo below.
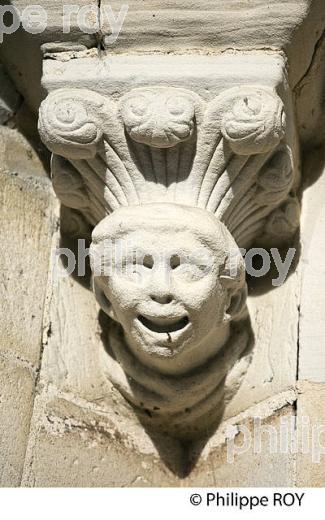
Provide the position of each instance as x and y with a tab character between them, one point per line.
253	121
159	117
229	156
70	124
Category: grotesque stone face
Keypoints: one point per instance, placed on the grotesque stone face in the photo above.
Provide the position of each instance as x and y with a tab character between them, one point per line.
165	281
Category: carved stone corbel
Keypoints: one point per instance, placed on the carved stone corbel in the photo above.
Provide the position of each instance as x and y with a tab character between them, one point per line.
180	172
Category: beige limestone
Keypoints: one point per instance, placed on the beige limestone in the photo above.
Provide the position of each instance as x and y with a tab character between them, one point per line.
226	102
17	389
175	301
311	328
207	150
18	156
27	223
311	427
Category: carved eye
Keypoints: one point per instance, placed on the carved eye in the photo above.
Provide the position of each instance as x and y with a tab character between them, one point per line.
66	112
175	261
138	107
201	267
148	261
176	106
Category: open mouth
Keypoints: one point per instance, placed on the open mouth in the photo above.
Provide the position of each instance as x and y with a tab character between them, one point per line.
167	327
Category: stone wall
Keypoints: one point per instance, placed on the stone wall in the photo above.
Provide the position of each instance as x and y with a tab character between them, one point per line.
60	424
62	421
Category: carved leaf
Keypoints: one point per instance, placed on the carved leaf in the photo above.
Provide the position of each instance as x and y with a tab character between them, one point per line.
230	156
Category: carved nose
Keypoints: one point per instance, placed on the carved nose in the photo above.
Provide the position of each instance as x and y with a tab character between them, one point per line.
161	298
160	290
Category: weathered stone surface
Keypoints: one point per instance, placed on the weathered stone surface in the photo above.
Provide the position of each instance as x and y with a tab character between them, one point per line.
96	440
159	165
309	101
260	444
9	97
178	108
18	156
88	450
27	223
21	52
17	382
79	417
311	374
311	323
166	27
274	314
310	468
193	27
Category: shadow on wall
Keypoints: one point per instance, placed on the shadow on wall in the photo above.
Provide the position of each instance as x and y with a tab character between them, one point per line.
181	455
181	451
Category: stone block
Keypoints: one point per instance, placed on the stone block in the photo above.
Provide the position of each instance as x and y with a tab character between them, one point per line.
17	382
